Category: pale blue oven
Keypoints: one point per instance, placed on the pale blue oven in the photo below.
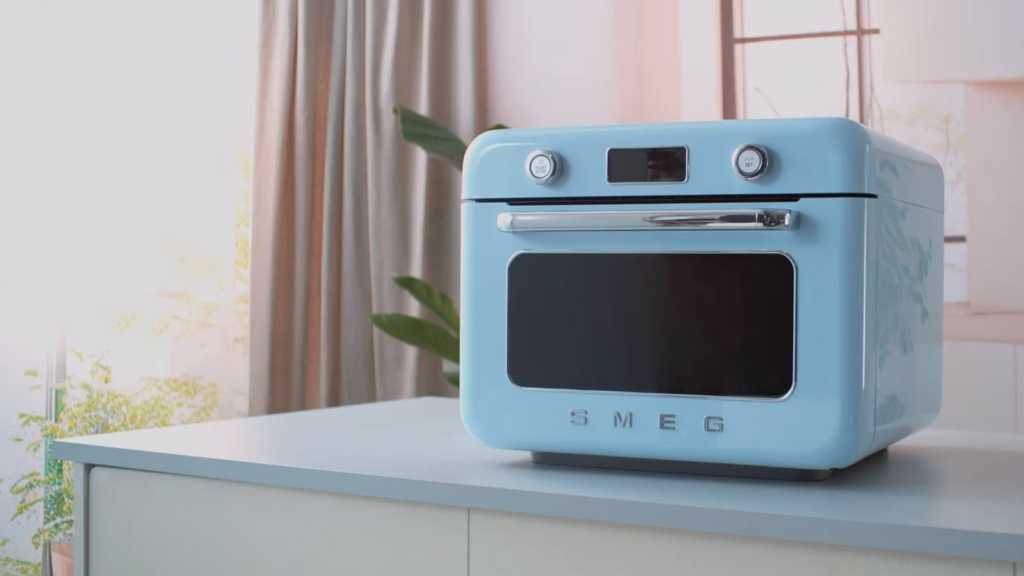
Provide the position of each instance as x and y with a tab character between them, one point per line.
757	293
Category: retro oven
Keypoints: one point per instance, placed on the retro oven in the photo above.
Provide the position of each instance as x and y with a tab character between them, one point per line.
747	293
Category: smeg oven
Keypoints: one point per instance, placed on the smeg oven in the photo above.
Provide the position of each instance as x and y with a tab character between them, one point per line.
747	293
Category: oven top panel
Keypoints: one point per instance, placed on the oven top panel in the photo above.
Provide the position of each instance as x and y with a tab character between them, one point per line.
737	158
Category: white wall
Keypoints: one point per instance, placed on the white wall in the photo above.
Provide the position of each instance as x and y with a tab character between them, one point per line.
977	47
995	122
955	40
983	387
580	61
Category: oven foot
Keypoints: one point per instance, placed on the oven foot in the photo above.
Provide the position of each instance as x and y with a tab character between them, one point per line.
679	467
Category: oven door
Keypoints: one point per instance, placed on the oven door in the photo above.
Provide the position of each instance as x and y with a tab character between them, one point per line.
579	318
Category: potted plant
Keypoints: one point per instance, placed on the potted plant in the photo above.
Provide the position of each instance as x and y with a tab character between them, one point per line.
89	405
441	338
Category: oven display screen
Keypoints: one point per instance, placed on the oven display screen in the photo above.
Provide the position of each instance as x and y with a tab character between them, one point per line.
646	165
705	324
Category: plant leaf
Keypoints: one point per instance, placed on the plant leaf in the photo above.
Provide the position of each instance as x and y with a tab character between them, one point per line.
452	377
433	138
432	299
420	333
498	126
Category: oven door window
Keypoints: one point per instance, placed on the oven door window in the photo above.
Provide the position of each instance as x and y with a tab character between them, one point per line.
677	323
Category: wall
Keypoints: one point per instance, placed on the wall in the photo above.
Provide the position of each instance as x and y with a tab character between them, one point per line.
580	62
995	121
976	45
983	387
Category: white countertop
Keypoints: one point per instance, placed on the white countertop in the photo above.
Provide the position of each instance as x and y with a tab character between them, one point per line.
938	492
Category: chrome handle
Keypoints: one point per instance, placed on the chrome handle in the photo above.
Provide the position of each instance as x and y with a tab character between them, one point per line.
660	220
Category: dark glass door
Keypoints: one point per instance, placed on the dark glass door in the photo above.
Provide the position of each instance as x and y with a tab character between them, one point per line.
672	323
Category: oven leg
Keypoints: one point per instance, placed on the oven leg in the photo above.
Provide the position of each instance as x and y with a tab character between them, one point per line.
678	467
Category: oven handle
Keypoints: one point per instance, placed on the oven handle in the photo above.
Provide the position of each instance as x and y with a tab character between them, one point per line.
659	220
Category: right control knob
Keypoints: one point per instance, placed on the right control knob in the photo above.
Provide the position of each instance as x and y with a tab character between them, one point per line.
750	161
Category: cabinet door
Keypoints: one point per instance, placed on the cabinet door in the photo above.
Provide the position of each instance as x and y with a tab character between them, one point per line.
512	545
157	524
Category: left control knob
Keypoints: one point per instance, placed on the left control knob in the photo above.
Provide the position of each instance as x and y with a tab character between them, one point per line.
542	166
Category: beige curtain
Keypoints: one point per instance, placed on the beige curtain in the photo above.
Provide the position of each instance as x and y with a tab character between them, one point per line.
341	205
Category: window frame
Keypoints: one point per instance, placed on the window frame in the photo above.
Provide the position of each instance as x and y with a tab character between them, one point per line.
729	41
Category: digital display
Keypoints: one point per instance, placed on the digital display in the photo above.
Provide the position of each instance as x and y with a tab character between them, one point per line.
647	165
673	323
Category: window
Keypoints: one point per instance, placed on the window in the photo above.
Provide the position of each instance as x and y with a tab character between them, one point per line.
126	142
821	58
808	59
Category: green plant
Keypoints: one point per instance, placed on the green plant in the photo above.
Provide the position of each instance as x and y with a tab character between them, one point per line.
13	567
441	339
89	405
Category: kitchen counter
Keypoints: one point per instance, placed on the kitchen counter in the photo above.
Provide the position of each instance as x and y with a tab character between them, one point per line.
944	493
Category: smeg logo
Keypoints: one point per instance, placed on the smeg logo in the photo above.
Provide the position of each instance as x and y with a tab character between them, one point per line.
625	419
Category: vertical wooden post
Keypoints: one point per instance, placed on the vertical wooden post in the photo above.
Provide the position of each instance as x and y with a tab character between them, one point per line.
863	91
728	60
